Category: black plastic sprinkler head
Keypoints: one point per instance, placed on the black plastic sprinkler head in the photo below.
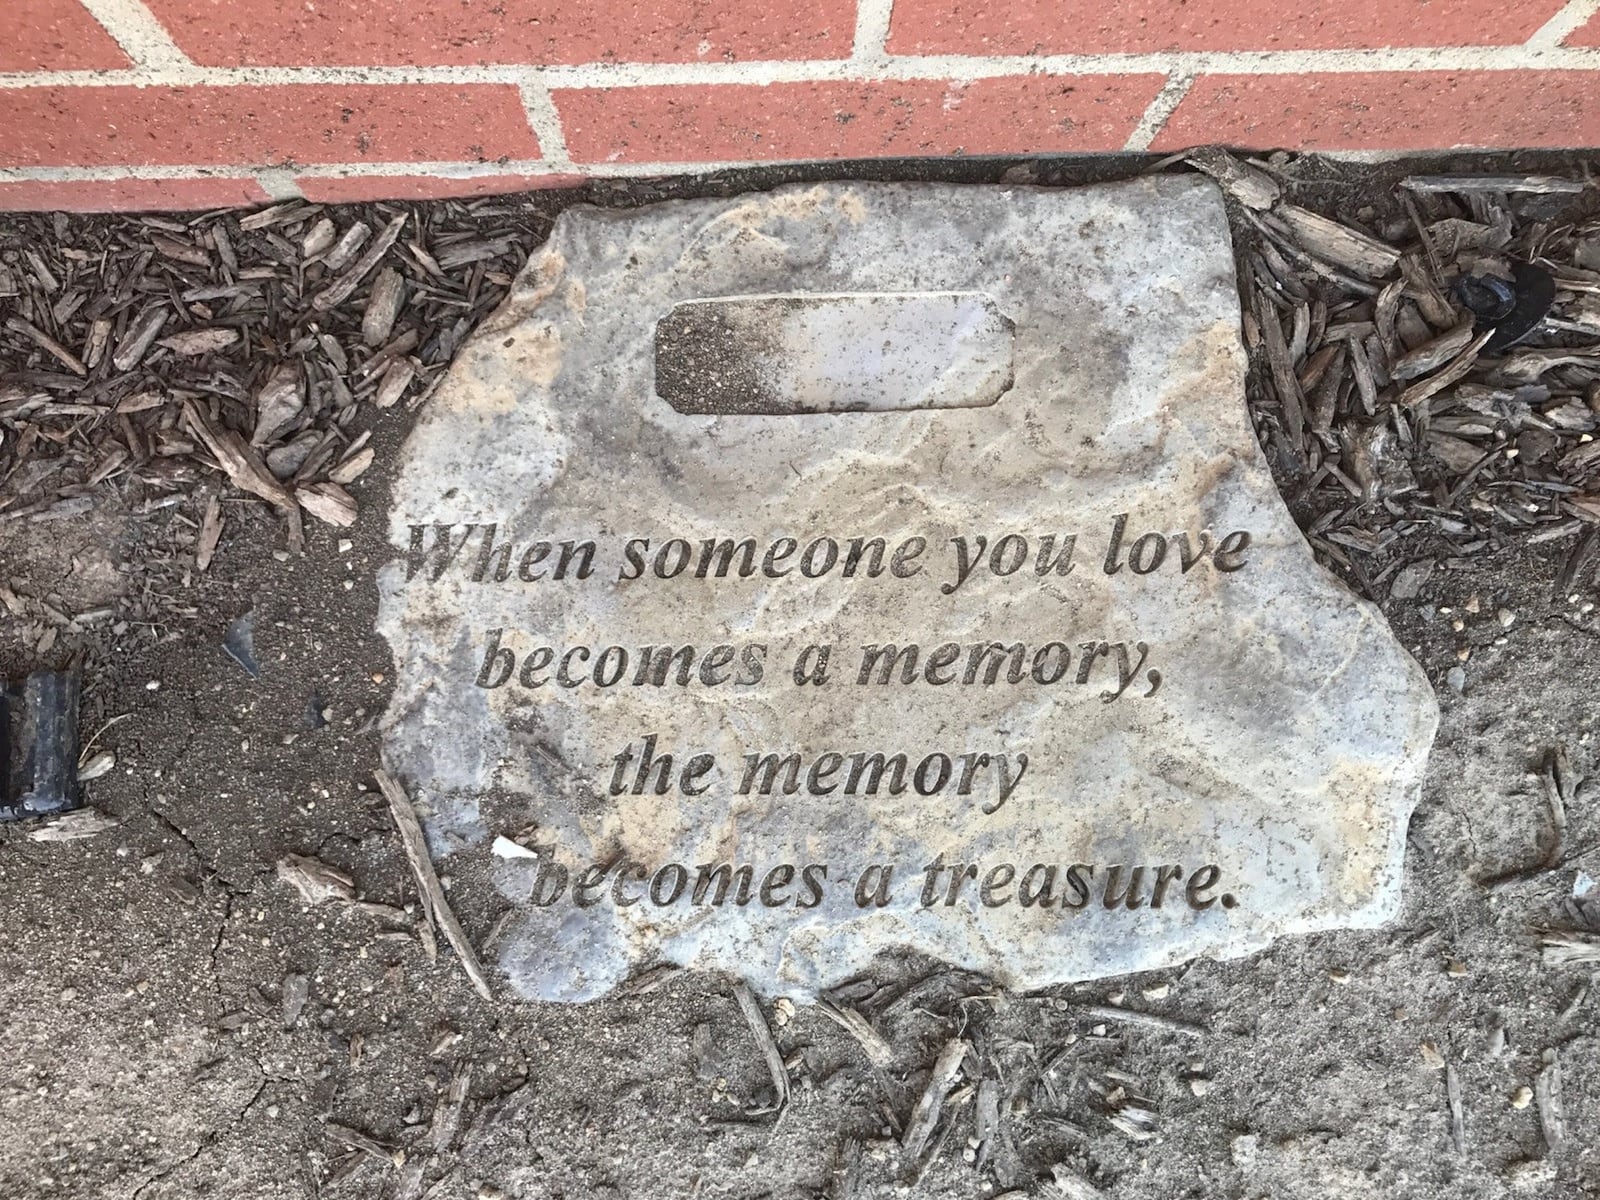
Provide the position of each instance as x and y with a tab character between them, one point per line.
1512	308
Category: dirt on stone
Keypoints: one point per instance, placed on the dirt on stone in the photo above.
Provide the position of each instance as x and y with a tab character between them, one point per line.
180	1021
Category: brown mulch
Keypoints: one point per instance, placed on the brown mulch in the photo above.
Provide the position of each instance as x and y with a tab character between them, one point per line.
176	362
1405	438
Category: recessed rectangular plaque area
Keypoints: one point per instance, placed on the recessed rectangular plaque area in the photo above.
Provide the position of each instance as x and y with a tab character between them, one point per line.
1050	688
796	353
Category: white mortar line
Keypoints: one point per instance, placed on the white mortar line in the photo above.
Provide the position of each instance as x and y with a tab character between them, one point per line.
1554	31
954	68
1156	113
872	32
135	28
546	124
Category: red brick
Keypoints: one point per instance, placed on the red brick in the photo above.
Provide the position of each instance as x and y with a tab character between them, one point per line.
473	32
262	126
1425	110
128	195
354	189
799	121
55	35
1151	26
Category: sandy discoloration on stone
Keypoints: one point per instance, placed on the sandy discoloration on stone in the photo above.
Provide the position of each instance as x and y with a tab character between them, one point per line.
1281	743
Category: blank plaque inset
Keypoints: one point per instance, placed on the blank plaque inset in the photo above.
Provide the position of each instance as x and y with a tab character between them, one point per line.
808	353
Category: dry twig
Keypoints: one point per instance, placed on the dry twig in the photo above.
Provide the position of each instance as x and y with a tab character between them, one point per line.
434	904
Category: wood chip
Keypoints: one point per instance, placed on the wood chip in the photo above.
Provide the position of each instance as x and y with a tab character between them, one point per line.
265	218
237	460
328	502
447	1116
318	238
346	284
929	1106
1250	187
314	879
383	305
1547	1095
646	981
1111	1012
179	250
1283	377
394	383
140	402
1537	184
280	401
764	1041
48	344
1339	244
210	534
1430	356
878	1051
73	826
365	1143
348	247
1456	371
94	347
1565	948
435	906
192	342
136	342
352	468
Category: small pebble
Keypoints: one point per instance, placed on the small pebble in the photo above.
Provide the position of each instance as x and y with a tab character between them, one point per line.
1522	1097
1457	679
1455	968
1506	617
1339	975
1431	1057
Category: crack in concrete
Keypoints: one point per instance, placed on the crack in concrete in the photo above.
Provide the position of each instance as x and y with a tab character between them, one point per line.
210	1138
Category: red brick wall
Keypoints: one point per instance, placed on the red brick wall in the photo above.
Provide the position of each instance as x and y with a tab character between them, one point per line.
199	103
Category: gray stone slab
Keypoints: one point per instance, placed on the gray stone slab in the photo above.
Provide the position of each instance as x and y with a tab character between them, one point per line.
1138	722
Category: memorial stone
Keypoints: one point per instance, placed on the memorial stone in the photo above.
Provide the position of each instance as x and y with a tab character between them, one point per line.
811	574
